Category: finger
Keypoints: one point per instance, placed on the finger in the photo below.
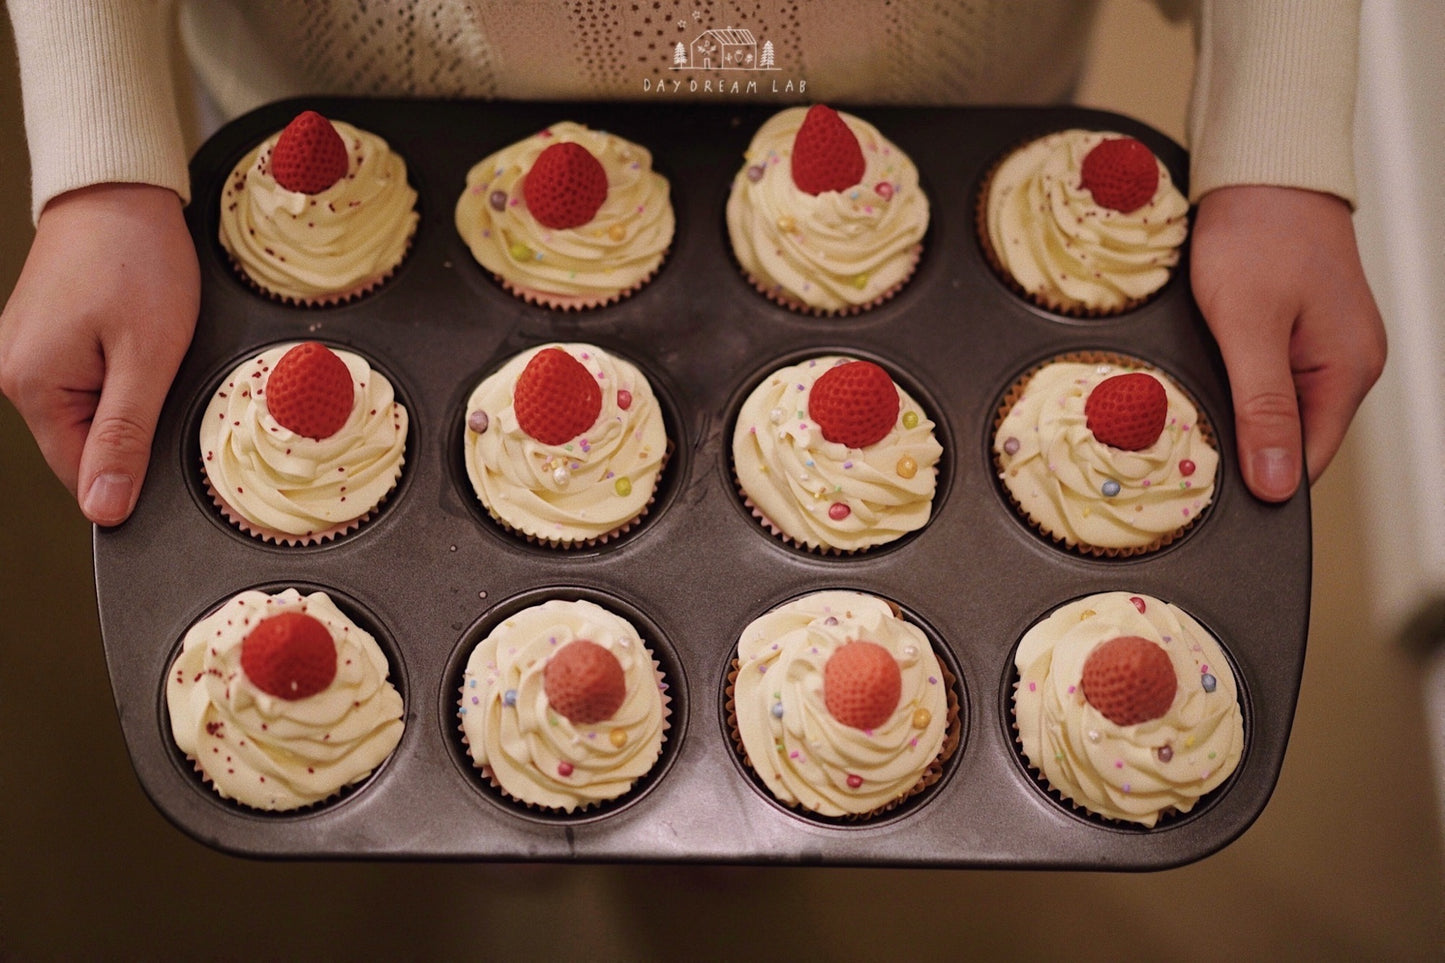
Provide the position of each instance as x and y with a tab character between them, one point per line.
59	426
1266	410
117	447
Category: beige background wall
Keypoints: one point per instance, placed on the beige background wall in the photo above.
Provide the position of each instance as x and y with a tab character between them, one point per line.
1345	863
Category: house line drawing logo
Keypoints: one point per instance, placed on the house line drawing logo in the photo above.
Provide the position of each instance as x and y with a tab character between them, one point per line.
725	48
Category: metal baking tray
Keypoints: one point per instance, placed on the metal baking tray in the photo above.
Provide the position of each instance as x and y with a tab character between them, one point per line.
431	572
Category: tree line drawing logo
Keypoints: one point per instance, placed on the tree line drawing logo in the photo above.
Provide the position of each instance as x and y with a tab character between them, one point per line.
726	48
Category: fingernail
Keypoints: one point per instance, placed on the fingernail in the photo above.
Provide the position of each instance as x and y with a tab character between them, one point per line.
107	502
1274	472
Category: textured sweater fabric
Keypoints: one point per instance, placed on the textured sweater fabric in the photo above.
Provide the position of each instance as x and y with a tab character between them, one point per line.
1273	97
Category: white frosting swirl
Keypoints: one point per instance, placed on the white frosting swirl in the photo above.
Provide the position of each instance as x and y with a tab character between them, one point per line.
833	251
536	755
1137	772
273	753
1060	474
1060	245
315	246
795	477
584	489
617	250
804	755
285	484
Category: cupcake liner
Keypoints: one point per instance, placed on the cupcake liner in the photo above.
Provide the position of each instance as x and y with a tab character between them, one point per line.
591	806
288	539
1041	299
932	773
781	297
1062	540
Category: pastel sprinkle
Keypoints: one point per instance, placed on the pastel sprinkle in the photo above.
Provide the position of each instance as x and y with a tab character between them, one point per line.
910	420
509	698
1110	488
564	769
623	487
1208	681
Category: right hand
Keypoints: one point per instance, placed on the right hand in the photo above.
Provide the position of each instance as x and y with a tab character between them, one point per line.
94	333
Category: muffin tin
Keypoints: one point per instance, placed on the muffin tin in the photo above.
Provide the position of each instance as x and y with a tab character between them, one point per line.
431	572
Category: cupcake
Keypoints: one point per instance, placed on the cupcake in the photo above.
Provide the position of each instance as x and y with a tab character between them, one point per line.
319	213
1083	223
840	706
281	701
568	218
302	443
1104	455
563	706
565	444
831	455
826	216
1126	707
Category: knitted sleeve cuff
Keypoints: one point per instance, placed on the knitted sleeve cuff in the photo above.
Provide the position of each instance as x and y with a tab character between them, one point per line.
1274	95
99	101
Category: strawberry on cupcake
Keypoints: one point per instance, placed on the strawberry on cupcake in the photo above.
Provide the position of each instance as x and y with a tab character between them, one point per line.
1104	455
319	213
565	444
1126	707
826	215
302	443
1083	223
568	218
831	455
840	706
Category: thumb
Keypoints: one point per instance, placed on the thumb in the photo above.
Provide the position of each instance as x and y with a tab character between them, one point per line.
1266	414
118	445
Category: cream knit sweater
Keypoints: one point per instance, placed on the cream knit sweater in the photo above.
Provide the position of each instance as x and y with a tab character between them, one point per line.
1273	99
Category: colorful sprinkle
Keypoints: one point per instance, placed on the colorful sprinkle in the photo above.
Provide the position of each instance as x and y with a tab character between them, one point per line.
623	487
498	200
478	421
1186	468
617	232
1138	603
786	224
564	769
777	710
921	718
1110	488
883	189
519	251
1011	446
618	738
756	172
907	467
910	420
624	399
509	698
839	511
1208	682
1165	753
854	781
860	281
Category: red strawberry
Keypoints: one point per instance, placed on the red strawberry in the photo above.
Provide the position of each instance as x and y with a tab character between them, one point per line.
584	682
310	391
556	398
826	155
290	655
310	155
1121	173
861	684
1127	411
854	404
565	186
1129	680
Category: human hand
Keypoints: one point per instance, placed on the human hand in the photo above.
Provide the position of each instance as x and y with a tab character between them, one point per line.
94	332
1277	275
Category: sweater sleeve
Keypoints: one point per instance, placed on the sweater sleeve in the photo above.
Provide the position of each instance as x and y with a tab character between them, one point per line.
1274	95
98	96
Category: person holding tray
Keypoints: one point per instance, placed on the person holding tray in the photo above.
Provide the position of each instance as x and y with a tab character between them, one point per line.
106	305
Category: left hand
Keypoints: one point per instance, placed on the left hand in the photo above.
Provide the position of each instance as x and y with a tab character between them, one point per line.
1277	275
